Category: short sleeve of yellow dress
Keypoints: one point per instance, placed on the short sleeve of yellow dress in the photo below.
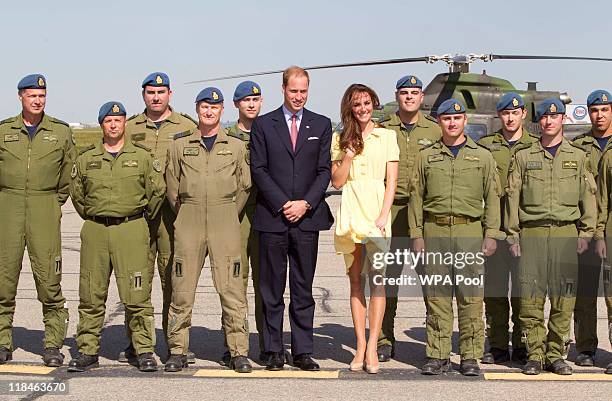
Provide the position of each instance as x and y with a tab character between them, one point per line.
362	198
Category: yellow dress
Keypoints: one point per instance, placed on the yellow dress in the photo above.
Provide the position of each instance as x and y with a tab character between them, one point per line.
363	194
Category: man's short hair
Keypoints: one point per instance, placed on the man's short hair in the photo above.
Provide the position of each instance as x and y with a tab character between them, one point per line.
294	71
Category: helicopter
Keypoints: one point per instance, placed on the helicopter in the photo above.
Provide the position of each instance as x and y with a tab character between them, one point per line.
479	92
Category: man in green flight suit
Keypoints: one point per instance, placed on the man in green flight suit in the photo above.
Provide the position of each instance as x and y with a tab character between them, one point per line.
155	128
415	131
501	267
551	218
248	100
36	155
595	143
454	209
603	232
116	186
208	180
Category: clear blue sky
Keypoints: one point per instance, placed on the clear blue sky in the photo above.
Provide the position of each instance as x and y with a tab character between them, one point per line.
92	53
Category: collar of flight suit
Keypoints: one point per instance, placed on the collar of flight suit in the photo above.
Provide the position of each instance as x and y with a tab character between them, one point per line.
221	136
589	138
44	124
128	147
565	146
143	119
469	142
421	121
525	139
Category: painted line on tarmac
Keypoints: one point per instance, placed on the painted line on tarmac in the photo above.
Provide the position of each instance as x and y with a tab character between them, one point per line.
26	369
266	374
548	377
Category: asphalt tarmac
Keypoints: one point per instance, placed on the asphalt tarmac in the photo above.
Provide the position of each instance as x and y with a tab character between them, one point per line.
334	347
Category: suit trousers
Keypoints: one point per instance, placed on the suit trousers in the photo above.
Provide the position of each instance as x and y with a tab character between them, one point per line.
300	248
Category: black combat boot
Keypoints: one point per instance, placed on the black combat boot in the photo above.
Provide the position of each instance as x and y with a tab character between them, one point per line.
435	366
53	357
83	362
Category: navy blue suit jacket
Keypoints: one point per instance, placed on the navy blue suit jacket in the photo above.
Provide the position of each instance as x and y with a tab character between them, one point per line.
281	174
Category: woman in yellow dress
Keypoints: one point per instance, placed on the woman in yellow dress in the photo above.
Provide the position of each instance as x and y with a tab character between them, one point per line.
364	157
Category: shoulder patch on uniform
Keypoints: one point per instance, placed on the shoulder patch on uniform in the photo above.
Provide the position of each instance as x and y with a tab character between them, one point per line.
58	121
182	135
577	146
86	148
582	136
187	116
483	146
430	118
8	120
140	145
156	165
235	134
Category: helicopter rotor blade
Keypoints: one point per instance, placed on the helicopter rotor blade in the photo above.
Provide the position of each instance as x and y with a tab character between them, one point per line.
321	67
525	57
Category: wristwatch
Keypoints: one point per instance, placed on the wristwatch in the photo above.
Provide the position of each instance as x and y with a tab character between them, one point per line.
308	207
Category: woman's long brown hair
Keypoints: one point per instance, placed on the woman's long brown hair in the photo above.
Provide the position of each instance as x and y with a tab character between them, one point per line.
350	137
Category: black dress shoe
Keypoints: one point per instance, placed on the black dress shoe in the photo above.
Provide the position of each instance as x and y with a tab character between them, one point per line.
532	367
276	361
559	367
240	364
305	362
608	370
495	355
469	367
5	355
225	359
385	352
127	354
53	357
519	355
586	358
83	362
147	362
176	363
435	366
191	358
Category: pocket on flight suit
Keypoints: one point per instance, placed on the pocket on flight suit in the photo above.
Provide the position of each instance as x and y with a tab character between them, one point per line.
471	180
55	272
533	187
569	185
137	288
231	270
225	175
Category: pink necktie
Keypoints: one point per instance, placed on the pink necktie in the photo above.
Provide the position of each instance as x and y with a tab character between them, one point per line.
294	131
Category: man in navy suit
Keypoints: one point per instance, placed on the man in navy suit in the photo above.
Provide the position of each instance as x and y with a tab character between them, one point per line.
290	165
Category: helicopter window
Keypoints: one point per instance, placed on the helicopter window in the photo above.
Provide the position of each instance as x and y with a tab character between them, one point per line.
475	131
469	100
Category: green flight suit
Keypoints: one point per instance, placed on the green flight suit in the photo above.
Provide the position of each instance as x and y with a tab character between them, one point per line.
113	195
208	190
141	129
454	202
250	240
425	132
550	203
34	180
589	270
501	266
604	226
